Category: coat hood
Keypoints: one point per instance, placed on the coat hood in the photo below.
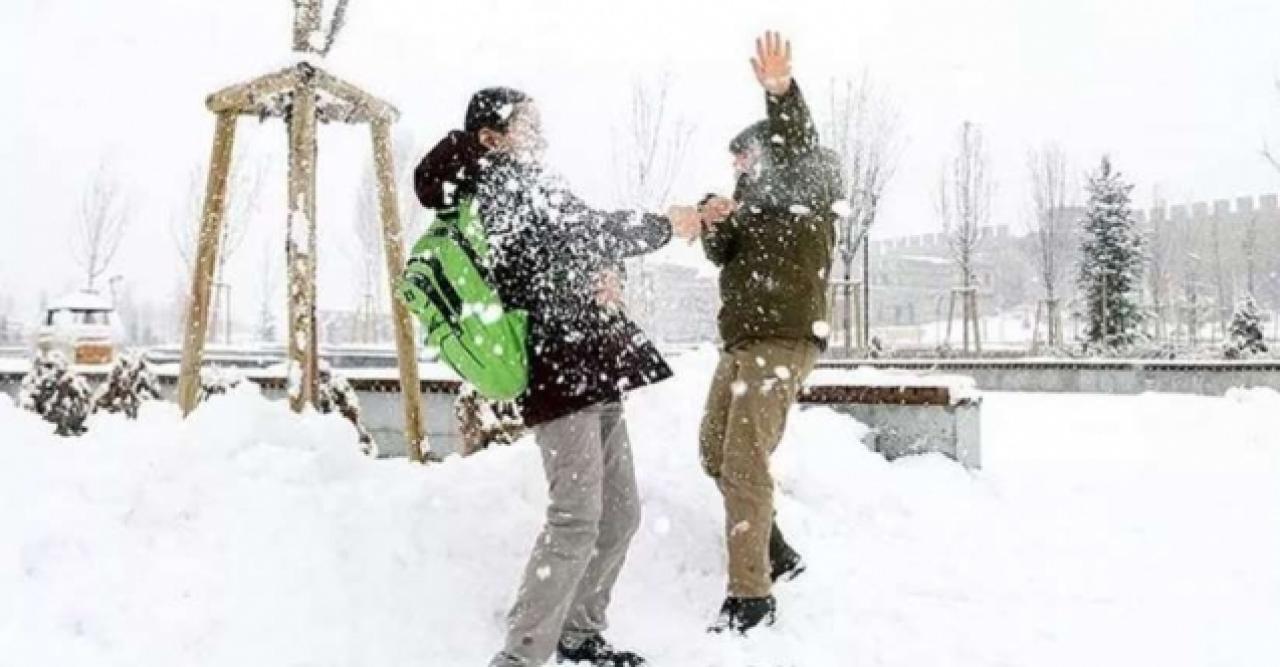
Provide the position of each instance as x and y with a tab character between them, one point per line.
450	170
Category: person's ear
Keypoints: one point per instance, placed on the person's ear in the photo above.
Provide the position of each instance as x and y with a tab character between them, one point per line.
490	139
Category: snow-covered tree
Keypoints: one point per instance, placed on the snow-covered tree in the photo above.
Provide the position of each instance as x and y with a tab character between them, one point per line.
1111	263
1245	336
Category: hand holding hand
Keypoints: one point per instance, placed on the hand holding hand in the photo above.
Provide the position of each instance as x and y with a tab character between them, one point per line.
716	209
772	63
686	222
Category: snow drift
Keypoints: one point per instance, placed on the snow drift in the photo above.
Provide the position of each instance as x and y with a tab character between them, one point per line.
247	535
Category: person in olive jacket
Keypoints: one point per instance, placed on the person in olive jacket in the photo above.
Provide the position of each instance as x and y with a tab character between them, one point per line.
558	259
773	243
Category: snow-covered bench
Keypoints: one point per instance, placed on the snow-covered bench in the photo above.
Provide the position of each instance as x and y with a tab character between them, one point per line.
910	413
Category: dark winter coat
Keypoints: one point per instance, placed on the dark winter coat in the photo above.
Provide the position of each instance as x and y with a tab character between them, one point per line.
547	248
774	252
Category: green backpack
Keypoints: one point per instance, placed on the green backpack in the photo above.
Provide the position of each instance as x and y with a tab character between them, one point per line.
446	285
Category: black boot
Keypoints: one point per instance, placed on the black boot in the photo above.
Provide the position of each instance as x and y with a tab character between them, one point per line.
740	615
597	652
784	563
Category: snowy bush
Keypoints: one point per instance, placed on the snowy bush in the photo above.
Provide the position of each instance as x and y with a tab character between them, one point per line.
335	394
55	393
129	383
216	381
482	422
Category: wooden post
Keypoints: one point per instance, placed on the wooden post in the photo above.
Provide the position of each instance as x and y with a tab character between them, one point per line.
197	318
300	249
406	350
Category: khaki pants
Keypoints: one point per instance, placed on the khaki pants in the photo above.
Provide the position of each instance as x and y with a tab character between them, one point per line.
754	386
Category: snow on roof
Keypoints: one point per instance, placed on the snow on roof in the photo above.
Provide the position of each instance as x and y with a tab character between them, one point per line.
81	300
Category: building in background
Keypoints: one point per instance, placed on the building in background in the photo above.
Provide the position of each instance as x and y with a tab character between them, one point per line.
674	304
1203	258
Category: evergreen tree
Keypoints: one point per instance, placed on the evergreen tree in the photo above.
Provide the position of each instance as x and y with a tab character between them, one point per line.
1111	260
1246	330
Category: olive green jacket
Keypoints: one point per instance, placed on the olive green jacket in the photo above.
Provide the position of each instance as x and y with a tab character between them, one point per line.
775	251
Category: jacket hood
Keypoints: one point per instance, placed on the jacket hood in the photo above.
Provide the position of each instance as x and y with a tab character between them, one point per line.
450	171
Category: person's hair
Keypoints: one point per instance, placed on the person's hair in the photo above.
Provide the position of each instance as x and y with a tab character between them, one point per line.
753	136
492	109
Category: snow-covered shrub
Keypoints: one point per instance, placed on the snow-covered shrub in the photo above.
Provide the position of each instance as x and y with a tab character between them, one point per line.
129	383
1245	337
51	390
215	381
335	394
482	422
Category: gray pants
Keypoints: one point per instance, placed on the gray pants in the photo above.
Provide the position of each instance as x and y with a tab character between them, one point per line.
594	512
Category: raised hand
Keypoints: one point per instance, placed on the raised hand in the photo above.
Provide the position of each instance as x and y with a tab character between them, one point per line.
772	63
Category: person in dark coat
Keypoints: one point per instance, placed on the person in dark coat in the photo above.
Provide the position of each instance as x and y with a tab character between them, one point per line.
559	259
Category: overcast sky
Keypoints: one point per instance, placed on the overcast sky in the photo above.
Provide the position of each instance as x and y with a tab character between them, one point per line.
1180	92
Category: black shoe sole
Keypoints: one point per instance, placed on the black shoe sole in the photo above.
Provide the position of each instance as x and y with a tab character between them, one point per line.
790	573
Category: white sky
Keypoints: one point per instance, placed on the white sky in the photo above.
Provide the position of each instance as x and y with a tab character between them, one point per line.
1180	92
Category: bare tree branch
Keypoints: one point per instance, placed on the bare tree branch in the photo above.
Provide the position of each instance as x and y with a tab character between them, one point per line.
365	257
863	130
651	151
102	223
1050	229
1267	153
964	199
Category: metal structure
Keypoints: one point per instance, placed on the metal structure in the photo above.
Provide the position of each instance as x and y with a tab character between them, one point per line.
302	95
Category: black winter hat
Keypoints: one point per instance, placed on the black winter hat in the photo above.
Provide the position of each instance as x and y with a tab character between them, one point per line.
492	108
754	135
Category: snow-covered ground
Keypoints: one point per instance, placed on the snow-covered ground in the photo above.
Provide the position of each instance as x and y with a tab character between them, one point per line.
1104	531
